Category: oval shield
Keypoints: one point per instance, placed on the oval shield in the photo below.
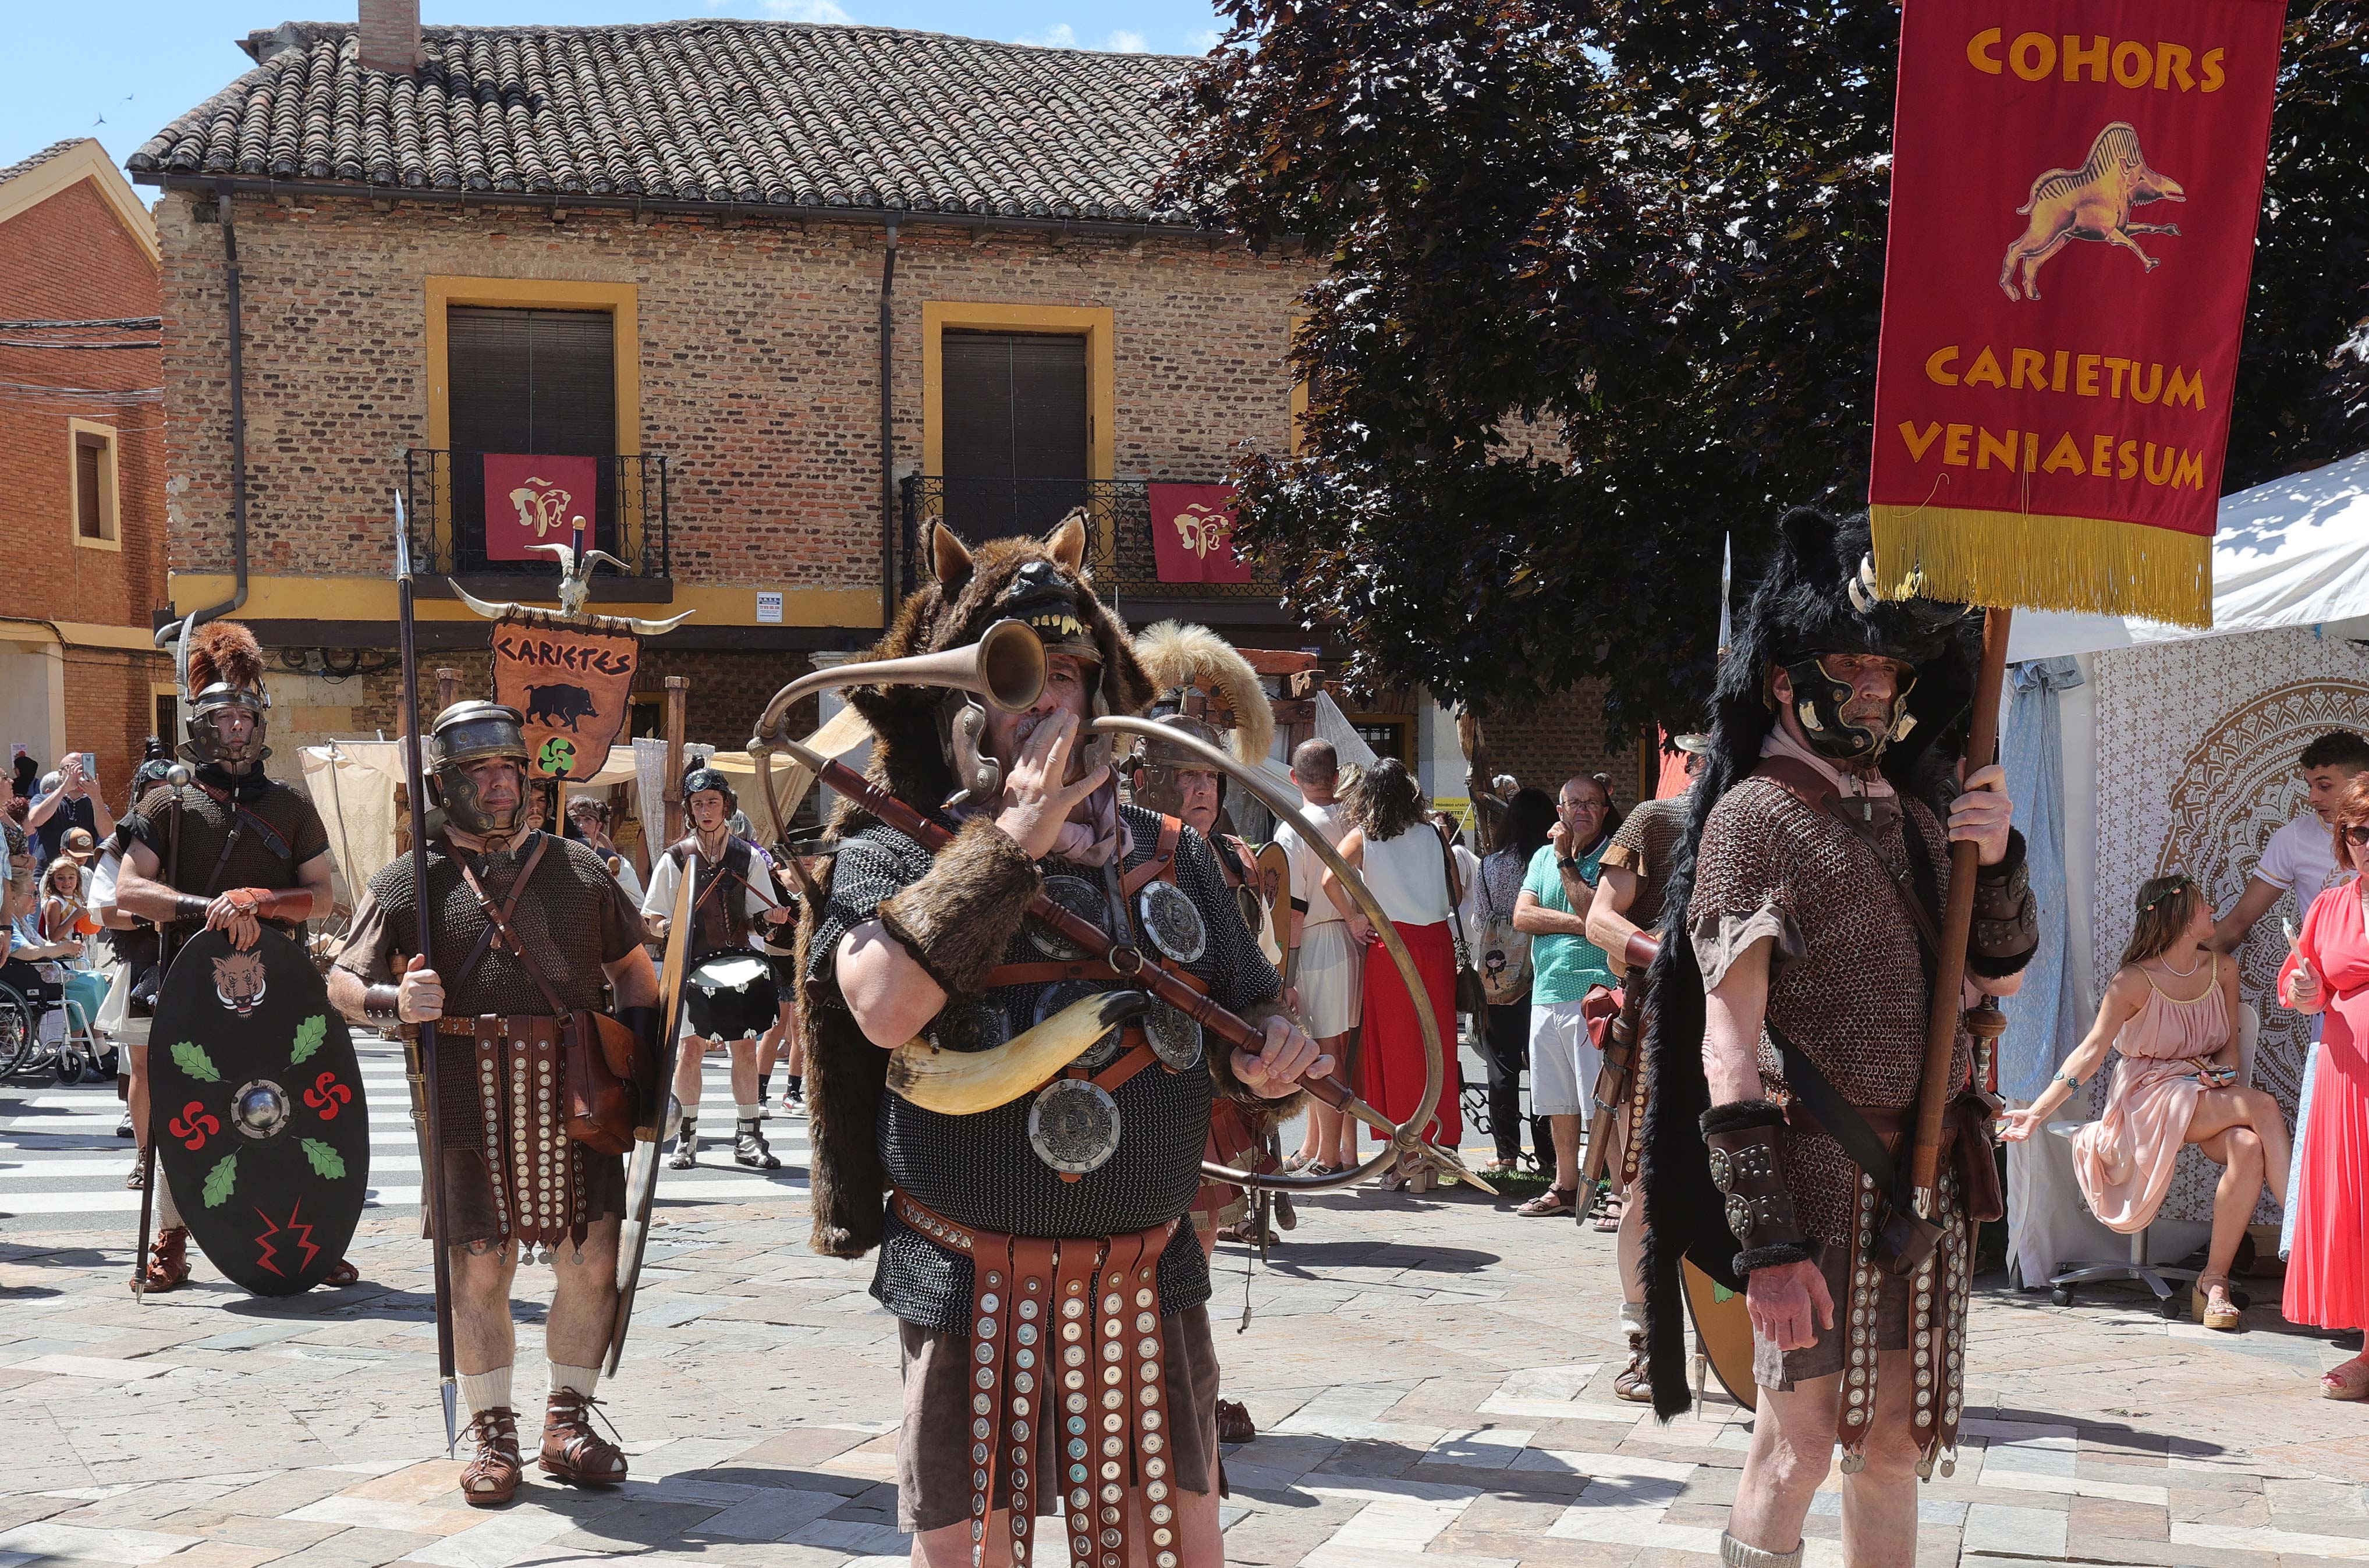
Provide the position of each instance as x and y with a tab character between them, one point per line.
261	1125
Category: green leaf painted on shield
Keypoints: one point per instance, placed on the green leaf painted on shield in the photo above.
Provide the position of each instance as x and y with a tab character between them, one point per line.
326	1160
1722	1293
192	1059
218	1180
309	1035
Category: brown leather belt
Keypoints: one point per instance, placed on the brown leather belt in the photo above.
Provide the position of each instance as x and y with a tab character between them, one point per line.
1081	1312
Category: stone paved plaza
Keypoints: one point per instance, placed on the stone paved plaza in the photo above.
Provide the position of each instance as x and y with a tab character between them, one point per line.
1431	1376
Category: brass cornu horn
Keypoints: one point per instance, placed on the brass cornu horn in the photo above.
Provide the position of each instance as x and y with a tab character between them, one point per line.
1006	666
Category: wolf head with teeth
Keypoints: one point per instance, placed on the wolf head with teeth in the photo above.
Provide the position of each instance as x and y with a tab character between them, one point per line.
1043	583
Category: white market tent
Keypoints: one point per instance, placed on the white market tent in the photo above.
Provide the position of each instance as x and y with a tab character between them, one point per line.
2166	729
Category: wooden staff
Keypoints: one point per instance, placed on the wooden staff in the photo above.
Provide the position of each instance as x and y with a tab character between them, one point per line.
677	695
1957	918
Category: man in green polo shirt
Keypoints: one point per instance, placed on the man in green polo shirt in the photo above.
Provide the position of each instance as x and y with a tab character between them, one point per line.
1552	907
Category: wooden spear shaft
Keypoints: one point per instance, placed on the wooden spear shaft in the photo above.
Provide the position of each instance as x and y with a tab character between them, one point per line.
1957	918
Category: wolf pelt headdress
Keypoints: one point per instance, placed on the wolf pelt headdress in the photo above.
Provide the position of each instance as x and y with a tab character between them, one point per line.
1814	596
1046	584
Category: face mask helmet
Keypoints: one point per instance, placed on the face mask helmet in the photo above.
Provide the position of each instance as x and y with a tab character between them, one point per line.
1858	623
470	732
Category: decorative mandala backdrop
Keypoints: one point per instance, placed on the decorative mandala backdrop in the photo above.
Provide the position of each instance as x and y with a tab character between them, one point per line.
2197	748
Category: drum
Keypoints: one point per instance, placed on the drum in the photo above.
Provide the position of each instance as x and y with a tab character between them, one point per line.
730	996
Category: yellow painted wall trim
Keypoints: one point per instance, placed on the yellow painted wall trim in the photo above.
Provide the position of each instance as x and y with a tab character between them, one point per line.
372	598
622	300
78	633
110	492
1093	323
84	160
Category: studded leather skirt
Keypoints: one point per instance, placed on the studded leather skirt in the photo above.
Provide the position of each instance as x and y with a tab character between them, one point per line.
1083	1406
510	1171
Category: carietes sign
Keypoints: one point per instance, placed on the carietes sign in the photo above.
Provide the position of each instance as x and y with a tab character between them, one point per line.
574	682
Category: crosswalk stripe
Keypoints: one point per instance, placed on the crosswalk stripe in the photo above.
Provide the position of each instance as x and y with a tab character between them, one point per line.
60	1154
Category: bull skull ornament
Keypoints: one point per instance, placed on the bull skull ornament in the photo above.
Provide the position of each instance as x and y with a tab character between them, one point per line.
575	593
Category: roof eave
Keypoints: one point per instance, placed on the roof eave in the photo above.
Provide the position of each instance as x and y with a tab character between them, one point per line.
569	201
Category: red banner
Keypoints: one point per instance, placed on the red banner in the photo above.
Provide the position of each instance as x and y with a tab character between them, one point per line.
2074	192
536	500
1193	533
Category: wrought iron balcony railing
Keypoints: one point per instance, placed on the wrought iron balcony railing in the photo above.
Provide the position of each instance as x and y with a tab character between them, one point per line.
1118	515
445	495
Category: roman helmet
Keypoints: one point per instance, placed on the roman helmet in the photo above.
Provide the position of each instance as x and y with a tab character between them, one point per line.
1152	767
707	778
1179	659
467	732
222	671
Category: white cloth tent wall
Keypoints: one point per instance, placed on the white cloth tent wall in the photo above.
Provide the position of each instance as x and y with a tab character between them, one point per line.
2182	742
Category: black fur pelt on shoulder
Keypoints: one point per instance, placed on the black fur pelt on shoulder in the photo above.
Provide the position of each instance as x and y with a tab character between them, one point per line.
1803	601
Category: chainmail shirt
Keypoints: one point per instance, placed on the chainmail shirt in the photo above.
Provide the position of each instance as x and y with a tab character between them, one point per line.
1645	845
981	1170
1847	979
574	917
209	823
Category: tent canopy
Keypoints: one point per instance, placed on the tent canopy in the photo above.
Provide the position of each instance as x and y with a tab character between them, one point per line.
2291	553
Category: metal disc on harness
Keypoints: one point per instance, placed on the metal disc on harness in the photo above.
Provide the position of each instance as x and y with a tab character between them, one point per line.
1074	1125
970	1026
1171	921
1081	899
1174	1038
1060	994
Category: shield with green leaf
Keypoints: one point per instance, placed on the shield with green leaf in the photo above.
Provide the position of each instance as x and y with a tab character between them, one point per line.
260	1119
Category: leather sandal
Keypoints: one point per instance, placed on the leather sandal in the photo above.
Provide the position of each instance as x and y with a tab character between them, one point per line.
572	1451
1634	1382
1234	1423
1553	1203
342	1274
168	1260
491	1477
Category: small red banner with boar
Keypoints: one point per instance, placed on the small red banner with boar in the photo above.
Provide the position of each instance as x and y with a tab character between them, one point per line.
2073	193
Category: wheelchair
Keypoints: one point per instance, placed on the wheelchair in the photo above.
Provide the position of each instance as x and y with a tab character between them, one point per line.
42	1031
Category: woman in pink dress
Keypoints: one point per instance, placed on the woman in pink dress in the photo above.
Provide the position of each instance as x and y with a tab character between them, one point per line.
2327	1271
2171	1013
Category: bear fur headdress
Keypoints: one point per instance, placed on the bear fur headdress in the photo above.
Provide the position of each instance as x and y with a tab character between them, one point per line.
1814	597
1046	584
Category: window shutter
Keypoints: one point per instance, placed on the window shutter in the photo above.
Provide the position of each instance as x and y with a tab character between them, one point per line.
533	381
89	521
1016	439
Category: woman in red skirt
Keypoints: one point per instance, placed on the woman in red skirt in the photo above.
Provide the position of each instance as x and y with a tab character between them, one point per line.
1405	862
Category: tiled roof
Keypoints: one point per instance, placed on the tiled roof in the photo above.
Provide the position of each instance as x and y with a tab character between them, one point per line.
711	111
27	165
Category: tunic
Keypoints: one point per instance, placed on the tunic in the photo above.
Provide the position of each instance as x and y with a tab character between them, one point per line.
572	916
256	838
1645	845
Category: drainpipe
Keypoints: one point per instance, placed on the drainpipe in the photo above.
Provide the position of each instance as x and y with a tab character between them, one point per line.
887	433
171	633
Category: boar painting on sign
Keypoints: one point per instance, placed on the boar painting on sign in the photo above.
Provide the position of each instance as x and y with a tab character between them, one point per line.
2074	193
573	683
536	500
1193	533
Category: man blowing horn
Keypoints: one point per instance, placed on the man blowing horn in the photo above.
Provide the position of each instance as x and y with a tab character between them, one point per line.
1056	1346
1788	1039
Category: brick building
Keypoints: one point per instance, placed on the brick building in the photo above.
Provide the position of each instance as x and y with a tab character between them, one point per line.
779	295
82	465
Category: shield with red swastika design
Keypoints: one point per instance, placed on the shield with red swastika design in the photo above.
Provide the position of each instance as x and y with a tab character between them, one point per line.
257	1111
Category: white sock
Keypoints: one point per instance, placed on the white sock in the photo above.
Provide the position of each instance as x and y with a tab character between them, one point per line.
486	1390
747	1113
578	1379
169	1213
1632	1317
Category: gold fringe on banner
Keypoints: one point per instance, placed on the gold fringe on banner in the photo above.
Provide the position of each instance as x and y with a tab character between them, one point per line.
2031	562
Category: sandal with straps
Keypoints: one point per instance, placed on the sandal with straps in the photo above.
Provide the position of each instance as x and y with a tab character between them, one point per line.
1634	1382
572	1451
2348	1381
1550	1203
2220	1314
491	1477
168	1267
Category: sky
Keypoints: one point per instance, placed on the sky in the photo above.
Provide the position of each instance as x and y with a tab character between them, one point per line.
122	71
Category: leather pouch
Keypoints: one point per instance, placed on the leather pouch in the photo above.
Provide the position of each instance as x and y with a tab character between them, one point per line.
601	1100
1977	1167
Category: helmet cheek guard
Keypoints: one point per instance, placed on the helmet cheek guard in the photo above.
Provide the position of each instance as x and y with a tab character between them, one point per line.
467	733
1819	698
206	744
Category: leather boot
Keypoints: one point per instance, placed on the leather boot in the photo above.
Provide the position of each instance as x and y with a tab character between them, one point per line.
572	1451
749	1147
686	1145
168	1260
491	1477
